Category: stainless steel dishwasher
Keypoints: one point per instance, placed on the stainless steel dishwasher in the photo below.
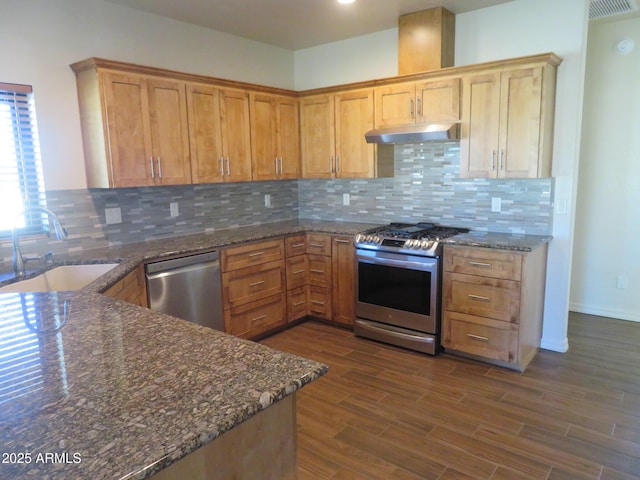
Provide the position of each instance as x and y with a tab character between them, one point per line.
188	287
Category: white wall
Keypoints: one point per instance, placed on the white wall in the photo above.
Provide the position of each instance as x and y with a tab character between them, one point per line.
46	36
608	209
513	29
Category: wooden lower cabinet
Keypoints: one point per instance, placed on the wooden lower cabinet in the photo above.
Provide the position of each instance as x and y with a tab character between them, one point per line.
253	288
132	288
253	318
493	303
264	446
321	277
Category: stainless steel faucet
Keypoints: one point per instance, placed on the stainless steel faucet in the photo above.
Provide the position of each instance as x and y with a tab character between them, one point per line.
18	259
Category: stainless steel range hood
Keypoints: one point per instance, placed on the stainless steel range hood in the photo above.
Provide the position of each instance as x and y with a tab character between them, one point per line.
414	133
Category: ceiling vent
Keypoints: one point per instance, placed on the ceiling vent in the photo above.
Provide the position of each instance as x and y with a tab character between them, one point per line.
608	8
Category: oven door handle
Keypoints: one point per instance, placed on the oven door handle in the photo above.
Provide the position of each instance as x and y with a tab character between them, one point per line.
429	266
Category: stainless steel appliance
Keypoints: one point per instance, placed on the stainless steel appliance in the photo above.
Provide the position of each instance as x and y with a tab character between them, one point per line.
189	288
398	284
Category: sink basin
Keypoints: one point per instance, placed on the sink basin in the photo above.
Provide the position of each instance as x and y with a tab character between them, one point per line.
66	277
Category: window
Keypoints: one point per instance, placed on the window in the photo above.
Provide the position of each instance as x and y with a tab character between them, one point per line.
21	181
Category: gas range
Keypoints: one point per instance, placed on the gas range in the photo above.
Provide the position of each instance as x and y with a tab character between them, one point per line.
422	239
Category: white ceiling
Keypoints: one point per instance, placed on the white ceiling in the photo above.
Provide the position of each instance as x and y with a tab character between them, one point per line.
296	24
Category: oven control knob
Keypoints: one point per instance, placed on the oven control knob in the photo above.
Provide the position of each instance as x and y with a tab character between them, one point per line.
359	238
424	245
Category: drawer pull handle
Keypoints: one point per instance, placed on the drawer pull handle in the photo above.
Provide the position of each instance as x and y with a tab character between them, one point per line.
259	317
298	272
479	298
342	241
319	245
256	254
297	304
317	302
478	337
255	284
315	270
297	245
480	264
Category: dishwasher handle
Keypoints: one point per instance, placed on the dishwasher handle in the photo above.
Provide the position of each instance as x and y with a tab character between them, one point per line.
164	265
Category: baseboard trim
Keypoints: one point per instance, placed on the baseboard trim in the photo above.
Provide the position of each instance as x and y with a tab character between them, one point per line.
604	312
561	346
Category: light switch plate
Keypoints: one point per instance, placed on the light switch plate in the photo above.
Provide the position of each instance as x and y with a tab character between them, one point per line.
113	215
173	209
267	200
496	204
346	199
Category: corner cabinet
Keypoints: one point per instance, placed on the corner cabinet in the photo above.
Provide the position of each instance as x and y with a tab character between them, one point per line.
275	137
332	129
493	303
507	121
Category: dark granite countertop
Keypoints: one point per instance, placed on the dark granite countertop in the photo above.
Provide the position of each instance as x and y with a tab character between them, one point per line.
118	391
504	241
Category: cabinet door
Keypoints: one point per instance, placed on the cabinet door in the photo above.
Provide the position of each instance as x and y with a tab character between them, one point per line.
343	282
263	137
479	135
395	105
129	137
355	158
169	131
438	101
236	135
205	133
520	121
317	137
288	138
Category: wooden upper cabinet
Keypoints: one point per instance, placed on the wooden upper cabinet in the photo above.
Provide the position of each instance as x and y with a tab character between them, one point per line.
418	102
274	137
236	135
125	158
332	136
169	131
288	137
317	136
205	133
507	123
355	158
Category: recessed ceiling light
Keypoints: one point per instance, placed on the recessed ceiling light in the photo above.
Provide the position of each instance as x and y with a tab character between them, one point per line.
346	1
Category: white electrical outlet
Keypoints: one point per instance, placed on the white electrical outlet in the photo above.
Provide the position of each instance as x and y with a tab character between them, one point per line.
173	209
561	207
622	282
496	204
346	199
267	200
113	215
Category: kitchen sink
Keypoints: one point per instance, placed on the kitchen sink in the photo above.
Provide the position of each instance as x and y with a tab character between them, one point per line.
66	277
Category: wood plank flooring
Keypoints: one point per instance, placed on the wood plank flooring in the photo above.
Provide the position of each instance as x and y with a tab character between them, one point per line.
387	413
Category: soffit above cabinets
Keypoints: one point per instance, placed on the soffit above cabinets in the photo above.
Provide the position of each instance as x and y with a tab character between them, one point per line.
297	24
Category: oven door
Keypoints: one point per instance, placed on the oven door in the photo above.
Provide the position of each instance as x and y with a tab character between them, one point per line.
398	289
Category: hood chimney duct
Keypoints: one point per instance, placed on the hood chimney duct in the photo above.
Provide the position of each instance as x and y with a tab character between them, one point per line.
426	41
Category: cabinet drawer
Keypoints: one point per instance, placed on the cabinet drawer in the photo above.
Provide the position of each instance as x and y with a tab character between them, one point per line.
132	288
297	303
484	262
478	336
257	317
295	245
320	302
319	244
252	254
252	283
319	271
296	271
485	297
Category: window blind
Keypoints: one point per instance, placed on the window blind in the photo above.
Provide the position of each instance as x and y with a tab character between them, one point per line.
21	179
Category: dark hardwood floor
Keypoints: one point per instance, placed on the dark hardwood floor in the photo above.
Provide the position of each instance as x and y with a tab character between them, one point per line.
386	413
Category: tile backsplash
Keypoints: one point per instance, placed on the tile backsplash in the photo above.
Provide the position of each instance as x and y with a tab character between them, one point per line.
425	188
